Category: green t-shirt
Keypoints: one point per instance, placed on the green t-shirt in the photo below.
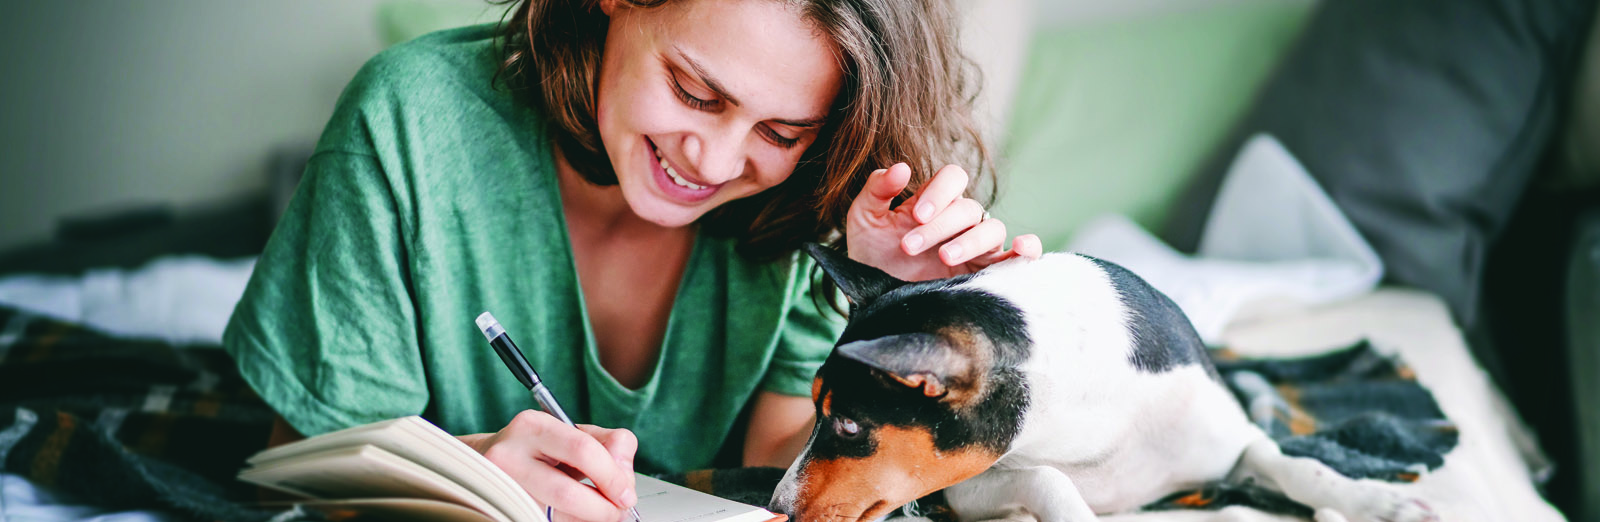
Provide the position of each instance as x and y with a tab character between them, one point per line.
431	198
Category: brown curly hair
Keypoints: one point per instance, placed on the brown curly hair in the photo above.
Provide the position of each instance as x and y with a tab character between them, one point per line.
907	96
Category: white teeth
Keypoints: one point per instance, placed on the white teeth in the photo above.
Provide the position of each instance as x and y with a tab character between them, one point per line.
674	174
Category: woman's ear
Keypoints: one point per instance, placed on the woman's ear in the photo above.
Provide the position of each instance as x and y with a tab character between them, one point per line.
609	7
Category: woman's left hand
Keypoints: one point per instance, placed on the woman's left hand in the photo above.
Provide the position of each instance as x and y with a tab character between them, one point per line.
936	233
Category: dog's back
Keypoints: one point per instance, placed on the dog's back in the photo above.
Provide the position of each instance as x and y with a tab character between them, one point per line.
1125	400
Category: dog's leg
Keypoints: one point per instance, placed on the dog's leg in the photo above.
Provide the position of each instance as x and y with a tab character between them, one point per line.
1040	493
1328	515
1314	484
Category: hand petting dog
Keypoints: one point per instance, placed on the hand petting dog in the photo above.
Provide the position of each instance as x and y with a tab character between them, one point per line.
935	234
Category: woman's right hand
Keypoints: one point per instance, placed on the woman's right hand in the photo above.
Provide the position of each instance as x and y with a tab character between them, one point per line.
548	458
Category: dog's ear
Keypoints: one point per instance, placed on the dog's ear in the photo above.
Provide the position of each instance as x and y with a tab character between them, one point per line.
861	283
921	361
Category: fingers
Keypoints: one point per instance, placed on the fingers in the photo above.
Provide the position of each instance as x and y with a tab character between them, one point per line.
548	457
565	494
955	218
937	217
583	453
979	244
947	185
620	443
882	186
983	238
1026	246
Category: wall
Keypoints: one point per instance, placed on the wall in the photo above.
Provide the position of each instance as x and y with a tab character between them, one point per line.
110	104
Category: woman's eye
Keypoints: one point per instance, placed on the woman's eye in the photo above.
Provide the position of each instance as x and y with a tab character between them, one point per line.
779	139
846	428
689	99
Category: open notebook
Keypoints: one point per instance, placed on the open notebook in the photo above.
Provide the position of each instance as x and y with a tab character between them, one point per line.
409	469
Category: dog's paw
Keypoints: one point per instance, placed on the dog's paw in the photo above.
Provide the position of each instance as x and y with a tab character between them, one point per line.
1380	504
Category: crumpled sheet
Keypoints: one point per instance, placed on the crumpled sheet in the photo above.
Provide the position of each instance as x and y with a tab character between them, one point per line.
1274	241
177	299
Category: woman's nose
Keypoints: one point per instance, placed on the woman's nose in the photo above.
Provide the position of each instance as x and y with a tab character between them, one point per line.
718	157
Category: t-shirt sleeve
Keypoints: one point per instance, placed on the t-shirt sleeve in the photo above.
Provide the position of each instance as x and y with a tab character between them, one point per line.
809	331
326	331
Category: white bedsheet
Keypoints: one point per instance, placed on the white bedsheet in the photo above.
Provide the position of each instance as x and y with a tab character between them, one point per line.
22	501
1273	235
179	299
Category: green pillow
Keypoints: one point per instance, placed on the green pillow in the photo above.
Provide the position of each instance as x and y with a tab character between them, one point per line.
1113	116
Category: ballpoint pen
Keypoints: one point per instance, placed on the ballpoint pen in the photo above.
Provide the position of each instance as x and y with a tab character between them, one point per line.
519	366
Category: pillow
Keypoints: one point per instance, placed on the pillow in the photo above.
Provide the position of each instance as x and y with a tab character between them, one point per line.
1583	352
1582	166
1423	119
1113	116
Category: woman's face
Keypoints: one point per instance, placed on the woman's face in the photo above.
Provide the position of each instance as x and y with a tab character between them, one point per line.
726	94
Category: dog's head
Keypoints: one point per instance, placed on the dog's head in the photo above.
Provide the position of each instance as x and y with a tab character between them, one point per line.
921	392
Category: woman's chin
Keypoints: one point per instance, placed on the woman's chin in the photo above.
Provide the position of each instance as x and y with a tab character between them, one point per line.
663	212
669	216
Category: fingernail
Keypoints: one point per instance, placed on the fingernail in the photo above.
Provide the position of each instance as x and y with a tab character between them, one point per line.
913	242
923	210
629	497
952	251
625	463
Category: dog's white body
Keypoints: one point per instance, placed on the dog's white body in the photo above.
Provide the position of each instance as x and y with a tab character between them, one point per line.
1101	435
1124	437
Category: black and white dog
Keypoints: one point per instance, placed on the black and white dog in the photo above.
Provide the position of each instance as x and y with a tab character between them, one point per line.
1053	390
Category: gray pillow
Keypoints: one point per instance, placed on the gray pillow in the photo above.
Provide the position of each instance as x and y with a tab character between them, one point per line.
1423	119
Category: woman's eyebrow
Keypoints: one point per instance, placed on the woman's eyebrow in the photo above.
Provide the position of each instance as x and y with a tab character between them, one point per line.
813	122
705	77
716	87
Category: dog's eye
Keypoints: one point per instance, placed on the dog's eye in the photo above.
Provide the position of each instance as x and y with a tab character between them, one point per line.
846	427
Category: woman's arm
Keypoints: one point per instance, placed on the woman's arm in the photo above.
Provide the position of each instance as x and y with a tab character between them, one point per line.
779	427
282	433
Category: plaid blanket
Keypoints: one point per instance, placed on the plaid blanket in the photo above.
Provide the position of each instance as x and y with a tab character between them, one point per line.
1360	412
129	424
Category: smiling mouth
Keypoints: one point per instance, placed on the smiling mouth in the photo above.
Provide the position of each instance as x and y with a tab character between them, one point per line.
673	174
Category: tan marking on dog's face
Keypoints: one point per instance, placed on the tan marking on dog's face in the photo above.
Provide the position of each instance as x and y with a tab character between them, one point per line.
905	467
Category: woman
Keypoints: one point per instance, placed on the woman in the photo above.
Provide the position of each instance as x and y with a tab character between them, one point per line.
624	184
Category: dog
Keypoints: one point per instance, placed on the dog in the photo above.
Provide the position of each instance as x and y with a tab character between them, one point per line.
1057	389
